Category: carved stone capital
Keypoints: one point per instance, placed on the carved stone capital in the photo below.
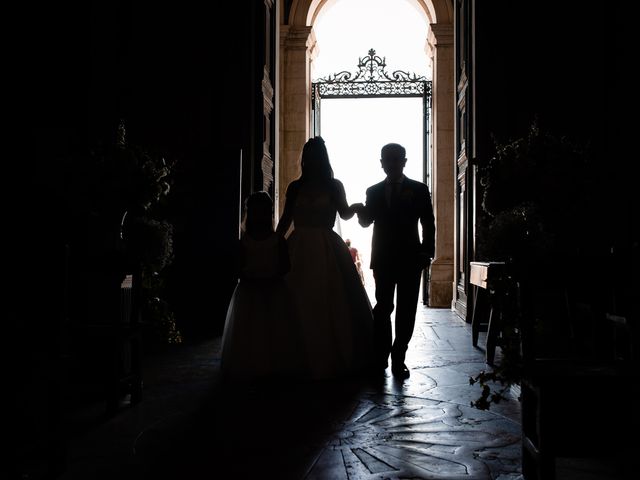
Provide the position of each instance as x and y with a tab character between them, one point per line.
440	35
297	38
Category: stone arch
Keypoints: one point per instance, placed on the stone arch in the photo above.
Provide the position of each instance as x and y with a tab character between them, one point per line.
305	12
297	50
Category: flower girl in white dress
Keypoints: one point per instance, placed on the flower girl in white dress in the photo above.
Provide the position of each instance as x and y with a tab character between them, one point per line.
259	339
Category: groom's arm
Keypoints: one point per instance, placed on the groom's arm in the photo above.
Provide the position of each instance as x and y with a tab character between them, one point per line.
365	214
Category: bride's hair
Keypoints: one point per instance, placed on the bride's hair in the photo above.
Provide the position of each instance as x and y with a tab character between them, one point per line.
315	161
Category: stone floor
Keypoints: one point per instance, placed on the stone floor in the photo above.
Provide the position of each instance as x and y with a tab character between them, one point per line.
191	426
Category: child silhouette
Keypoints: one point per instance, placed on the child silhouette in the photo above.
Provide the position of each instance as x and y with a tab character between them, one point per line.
259	337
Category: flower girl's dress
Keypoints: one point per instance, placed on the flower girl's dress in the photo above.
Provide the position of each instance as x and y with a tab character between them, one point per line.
260	338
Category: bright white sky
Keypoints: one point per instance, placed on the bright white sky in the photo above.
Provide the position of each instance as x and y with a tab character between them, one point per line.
355	129
347	29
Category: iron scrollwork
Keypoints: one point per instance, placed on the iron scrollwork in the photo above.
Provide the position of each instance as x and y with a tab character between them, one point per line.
372	80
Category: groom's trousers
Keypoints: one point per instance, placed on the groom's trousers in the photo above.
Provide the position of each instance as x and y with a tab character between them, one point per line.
404	284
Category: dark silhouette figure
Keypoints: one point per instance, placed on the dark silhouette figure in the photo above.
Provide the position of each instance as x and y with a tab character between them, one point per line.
334	311
259	338
395	206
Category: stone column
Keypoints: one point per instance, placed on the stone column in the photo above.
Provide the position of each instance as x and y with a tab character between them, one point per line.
440	49
297	48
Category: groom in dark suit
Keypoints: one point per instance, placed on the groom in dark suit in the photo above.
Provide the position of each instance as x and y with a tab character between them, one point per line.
396	206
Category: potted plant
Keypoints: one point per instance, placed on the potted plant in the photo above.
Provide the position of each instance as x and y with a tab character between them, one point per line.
129	185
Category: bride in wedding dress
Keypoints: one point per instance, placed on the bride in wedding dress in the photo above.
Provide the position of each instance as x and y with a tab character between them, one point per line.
333	309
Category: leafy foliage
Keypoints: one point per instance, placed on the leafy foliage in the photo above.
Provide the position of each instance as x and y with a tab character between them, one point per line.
132	180
128	177
158	310
533	191
531	197
151	244
150	241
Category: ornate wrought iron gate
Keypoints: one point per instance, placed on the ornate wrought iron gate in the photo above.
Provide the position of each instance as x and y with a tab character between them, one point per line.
372	80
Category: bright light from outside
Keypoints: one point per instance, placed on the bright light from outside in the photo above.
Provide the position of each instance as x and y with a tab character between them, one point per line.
356	129
395	29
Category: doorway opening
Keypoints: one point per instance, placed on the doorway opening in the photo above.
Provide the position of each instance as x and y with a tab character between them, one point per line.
390	107
357	112
417	35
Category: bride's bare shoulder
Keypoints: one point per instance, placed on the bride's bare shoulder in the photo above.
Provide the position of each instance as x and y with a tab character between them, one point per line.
335	183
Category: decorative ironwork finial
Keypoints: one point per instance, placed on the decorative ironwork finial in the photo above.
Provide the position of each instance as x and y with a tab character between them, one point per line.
372	80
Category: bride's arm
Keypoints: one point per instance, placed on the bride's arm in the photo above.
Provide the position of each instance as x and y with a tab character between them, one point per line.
345	210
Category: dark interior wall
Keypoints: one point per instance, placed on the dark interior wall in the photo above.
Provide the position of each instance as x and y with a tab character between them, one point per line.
566	65
185	87
540	58
181	81
562	63
178	75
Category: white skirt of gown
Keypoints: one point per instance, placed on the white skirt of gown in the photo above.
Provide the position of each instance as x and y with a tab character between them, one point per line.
332	306
260	338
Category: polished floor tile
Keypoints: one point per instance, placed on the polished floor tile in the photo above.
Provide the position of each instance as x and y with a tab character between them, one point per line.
192	426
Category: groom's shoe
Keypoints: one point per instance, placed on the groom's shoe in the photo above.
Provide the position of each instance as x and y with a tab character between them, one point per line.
400	371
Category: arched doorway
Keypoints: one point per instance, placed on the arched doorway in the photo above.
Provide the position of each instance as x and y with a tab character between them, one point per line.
298	47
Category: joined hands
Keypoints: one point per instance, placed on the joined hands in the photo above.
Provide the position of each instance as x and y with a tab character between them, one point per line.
357	207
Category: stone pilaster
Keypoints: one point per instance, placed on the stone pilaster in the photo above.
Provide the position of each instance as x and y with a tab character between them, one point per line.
267	108
297	47
440	49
